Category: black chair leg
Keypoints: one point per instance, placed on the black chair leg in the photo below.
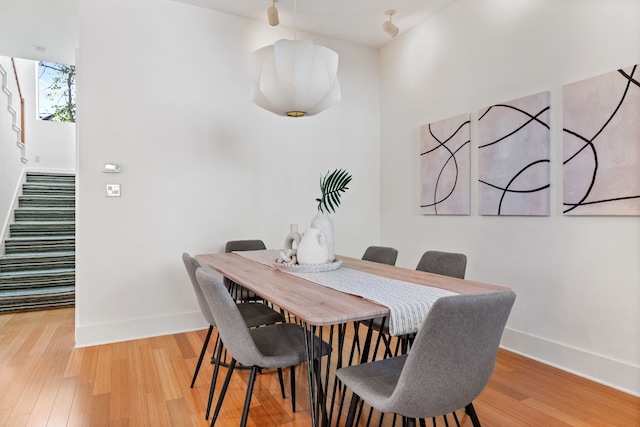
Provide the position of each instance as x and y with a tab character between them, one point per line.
223	392
281	382
292	370
470	410
214	379
247	399
455	417
353	406
202	353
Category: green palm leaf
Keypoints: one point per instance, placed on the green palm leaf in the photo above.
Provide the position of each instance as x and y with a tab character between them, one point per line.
332	185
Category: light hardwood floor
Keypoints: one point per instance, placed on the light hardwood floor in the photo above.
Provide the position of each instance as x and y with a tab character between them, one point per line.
45	381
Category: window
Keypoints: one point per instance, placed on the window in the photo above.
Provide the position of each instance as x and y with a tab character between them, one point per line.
56	92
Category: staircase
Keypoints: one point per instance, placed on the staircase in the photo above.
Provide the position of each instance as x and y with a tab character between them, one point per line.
38	268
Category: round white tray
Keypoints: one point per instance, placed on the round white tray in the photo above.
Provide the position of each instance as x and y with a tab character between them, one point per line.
309	268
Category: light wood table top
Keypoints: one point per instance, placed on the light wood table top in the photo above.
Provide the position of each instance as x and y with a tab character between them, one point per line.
317	304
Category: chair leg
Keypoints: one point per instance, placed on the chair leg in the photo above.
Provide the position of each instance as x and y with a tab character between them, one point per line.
223	392
281	382
292	370
353	406
202	353
214	379
455	417
470	410
247	399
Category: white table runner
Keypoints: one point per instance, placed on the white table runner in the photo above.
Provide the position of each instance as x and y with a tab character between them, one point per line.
408	303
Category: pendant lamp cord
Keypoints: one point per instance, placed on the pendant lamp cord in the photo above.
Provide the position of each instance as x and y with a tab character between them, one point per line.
295	38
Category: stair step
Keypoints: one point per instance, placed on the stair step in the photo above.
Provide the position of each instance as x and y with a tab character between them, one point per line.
17	280
36	299
50	177
42	228
37	261
46	201
40	244
45	214
63	189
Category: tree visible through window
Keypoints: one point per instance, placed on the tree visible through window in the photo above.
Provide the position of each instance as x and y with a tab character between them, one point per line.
57	92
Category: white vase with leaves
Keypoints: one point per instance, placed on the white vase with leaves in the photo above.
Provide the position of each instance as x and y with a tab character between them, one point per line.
332	185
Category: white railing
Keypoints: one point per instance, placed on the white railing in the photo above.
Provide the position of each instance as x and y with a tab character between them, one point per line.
11	129
17	119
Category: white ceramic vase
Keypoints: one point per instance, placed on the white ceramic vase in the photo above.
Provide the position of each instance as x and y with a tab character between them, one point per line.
312	248
292	238
323	222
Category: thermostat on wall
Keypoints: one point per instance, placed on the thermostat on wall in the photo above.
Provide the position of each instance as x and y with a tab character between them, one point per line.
111	168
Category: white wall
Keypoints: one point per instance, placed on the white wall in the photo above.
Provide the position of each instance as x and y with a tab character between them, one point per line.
163	89
577	278
50	146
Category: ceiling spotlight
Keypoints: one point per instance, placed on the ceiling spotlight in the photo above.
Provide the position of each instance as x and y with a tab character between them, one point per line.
272	14
388	26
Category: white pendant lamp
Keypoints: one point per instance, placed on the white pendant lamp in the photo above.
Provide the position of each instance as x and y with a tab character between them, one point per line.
295	78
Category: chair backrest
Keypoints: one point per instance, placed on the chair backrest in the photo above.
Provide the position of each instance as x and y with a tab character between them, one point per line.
445	263
381	254
231	325
241	245
453	354
192	265
244	245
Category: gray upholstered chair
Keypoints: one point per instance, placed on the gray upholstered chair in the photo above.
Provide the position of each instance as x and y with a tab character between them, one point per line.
241	293
381	254
449	364
253	314
272	346
444	263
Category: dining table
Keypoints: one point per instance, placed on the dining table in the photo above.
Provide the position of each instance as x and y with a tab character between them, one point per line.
316	306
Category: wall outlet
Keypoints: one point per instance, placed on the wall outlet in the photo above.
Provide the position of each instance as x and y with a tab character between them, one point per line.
113	190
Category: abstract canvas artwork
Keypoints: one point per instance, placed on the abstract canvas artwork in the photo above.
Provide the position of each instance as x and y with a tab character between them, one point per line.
601	144
513	157
445	167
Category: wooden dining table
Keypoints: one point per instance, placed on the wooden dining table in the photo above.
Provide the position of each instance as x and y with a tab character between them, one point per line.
316	305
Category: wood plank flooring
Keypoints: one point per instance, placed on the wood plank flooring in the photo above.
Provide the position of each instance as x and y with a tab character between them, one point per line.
45	381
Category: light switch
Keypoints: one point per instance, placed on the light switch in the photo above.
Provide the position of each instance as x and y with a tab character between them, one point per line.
113	190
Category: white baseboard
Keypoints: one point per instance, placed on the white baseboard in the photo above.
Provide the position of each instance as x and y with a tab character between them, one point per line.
126	330
612	373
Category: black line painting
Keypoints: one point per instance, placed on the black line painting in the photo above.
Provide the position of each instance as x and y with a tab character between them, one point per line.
444	167
601	144
513	157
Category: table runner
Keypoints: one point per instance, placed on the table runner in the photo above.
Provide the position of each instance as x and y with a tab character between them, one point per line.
408	303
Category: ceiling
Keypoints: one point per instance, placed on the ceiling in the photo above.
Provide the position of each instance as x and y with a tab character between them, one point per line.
27	24
358	21
53	24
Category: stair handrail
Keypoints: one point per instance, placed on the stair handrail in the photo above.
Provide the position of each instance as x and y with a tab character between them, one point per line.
22	121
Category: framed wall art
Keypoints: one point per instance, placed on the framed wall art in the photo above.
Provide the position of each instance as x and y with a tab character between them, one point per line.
445	167
513	157
601	144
